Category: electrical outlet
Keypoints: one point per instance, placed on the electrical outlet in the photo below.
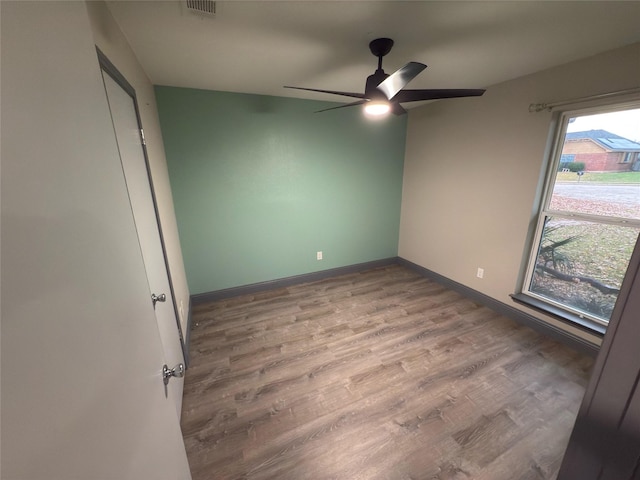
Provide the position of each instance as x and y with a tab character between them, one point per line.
319	256
480	273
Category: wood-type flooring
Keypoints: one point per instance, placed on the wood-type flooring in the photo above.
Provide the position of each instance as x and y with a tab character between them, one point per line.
375	375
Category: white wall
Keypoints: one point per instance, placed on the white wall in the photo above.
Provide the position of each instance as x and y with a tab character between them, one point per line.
112	42
82	390
473	166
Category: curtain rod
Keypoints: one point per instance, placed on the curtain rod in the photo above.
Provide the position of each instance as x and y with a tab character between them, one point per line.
539	107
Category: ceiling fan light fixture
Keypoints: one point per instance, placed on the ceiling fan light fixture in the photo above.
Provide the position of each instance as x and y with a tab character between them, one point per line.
377	108
385	93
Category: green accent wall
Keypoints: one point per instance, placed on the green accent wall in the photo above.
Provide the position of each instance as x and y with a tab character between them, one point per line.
260	184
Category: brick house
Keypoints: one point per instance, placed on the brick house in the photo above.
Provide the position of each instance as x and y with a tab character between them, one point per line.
601	151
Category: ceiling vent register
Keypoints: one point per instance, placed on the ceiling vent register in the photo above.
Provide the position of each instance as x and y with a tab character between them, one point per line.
201	7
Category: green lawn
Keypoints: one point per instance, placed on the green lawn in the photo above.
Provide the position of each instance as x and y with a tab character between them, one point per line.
598	251
600	177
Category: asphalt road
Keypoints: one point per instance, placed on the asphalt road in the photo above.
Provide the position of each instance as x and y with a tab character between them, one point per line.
625	194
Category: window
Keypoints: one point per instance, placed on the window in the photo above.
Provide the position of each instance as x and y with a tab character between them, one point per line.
589	219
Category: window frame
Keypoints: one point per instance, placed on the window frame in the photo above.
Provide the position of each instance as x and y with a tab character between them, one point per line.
553	159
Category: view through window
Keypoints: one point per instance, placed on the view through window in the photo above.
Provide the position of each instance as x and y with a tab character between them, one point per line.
590	218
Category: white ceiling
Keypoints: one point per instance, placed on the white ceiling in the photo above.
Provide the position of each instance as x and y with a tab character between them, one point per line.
259	46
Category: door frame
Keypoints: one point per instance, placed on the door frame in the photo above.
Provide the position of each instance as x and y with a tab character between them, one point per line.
109	68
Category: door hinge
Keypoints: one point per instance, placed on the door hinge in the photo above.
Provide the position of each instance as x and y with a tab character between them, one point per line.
144	142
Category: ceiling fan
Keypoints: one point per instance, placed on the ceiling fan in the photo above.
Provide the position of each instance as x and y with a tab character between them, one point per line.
384	92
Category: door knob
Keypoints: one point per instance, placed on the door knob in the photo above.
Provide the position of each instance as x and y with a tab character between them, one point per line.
167	373
158	298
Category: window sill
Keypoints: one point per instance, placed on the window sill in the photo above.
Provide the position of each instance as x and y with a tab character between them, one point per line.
559	314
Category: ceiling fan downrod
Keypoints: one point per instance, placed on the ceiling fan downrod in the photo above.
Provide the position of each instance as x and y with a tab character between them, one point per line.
380	47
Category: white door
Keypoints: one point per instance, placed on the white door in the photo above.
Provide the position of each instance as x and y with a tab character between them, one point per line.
134	165
82	390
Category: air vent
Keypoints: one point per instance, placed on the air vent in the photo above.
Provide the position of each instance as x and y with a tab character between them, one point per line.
201	7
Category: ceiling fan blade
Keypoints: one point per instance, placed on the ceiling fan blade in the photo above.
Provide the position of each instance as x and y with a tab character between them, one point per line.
397	109
434	94
400	78
333	92
353	104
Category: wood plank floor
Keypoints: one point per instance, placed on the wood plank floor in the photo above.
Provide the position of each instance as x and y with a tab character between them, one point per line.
375	375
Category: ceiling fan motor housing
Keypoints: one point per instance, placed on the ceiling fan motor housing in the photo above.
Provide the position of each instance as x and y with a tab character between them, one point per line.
370	90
